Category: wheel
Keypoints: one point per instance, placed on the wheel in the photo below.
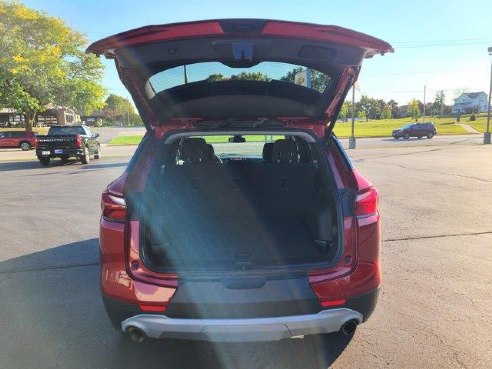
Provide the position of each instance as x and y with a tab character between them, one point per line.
84	159
45	162
98	154
430	135
406	136
396	137
419	137
25	146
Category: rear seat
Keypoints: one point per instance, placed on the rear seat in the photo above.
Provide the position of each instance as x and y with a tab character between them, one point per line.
202	187
284	186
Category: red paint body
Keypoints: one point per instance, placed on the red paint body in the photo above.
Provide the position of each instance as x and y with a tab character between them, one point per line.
124	278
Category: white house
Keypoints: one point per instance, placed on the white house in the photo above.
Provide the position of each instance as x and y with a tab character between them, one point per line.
470	102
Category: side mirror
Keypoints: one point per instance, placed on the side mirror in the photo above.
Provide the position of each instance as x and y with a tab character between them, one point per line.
96	135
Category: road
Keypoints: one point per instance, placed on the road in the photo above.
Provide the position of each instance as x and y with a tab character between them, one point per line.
362	143
434	310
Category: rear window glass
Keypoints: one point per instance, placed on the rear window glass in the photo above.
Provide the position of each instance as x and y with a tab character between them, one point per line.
233	149
60	131
216	71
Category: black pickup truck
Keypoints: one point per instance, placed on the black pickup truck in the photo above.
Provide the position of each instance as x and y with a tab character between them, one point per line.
65	142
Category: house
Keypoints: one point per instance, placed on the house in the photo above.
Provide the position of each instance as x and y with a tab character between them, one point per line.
95	118
53	115
470	102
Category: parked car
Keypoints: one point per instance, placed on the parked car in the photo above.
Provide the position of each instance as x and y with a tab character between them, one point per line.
418	130
65	142
21	139
239	241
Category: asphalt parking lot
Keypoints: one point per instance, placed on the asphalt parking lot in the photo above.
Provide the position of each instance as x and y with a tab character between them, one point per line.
434	310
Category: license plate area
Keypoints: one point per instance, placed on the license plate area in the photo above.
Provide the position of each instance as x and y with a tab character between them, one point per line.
58	151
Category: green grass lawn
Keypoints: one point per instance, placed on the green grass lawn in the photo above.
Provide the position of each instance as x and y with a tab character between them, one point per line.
135	139
126	140
384	127
480	124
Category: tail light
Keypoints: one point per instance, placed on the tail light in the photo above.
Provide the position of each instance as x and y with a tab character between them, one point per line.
78	141
358	271
367	202
113	207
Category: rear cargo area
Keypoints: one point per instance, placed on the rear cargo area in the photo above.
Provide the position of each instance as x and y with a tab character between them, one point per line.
208	212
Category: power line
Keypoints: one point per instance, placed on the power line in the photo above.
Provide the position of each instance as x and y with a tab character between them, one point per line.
424	72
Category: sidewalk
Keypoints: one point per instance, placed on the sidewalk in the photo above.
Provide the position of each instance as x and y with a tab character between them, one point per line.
467	128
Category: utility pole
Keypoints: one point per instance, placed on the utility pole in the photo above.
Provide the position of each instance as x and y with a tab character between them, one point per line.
486	135
442	102
352	137
423	116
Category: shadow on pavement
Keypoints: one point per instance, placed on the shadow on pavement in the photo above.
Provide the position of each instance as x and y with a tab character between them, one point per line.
51	303
18	165
26	165
104	166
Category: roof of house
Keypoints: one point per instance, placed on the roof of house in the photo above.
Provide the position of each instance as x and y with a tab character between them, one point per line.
473	94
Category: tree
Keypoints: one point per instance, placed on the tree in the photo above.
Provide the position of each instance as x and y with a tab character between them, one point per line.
319	80
395	110
414	109
43	63
439	100
248	76
371	107
120	110
215	77
386	113
345	111
251	76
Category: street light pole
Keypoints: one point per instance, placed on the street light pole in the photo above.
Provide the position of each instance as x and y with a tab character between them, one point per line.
352	137
423	116
486	135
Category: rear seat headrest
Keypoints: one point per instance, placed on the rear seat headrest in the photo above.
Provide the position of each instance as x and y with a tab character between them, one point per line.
267	152
210	152
285	151
194	150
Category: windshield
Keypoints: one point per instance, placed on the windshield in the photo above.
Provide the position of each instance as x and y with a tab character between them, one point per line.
216	71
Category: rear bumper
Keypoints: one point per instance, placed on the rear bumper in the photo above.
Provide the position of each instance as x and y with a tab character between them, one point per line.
54	153
241	330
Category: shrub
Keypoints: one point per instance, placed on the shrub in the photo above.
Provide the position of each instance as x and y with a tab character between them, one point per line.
473	118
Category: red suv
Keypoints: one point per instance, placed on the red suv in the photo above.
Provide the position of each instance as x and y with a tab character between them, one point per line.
240	217
24	140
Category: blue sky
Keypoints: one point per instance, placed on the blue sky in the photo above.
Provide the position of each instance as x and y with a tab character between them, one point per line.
440	44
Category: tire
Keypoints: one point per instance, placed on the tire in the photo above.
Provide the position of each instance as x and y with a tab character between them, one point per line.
98	155
84	159
45	162
430	135
396	138
406	136
25	146
419	137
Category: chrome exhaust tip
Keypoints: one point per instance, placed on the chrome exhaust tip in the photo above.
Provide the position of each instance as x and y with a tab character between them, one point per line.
348	328
136	334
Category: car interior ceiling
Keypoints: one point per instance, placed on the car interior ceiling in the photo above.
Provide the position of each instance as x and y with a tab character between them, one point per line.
202	212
